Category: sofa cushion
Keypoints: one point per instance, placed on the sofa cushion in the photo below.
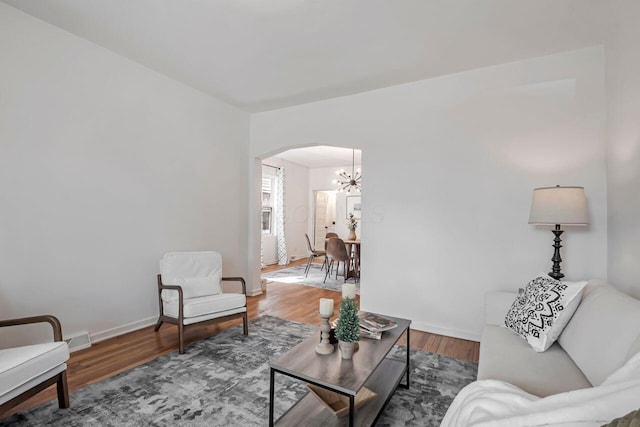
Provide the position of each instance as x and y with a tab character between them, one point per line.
634	349
496	306
199	274
192	287
543	309
190	264
205	305
19	365
507	357
603	331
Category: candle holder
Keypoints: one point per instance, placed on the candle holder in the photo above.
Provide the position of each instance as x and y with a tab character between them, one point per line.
324	347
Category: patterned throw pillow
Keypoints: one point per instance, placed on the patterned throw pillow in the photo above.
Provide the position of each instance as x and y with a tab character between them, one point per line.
540	313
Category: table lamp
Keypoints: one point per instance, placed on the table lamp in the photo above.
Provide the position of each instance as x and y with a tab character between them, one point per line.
558	206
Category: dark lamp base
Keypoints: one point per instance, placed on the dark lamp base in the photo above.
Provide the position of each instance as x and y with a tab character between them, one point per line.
555	269
556	276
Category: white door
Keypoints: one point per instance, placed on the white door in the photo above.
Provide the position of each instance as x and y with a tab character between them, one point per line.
321	220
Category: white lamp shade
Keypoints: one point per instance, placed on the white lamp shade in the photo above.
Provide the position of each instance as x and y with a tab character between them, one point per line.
559	205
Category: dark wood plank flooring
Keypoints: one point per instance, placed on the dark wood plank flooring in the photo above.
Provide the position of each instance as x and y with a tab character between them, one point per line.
299	303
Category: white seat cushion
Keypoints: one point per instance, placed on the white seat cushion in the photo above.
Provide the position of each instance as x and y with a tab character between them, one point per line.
201	306
602	334
193	320
19	365
507	357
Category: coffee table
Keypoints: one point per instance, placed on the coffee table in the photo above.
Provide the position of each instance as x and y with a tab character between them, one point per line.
369	367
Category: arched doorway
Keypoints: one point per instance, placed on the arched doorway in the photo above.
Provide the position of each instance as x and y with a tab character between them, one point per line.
308	173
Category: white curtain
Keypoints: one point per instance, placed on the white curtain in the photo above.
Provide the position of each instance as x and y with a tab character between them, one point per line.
281	244
262	265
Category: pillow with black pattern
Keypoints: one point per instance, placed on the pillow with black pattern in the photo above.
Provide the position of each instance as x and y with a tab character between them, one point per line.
543	309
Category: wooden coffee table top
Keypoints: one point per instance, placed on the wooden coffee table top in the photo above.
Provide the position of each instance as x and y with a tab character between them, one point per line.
331	370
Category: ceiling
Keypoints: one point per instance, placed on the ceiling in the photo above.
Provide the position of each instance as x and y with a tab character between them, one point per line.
265	54
321	156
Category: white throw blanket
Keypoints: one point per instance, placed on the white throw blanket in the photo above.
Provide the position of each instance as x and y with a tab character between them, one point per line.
497	403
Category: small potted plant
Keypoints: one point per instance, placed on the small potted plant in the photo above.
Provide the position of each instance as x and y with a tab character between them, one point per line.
348	328
352	224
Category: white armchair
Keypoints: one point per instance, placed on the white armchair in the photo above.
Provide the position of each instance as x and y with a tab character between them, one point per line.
190	291
27	370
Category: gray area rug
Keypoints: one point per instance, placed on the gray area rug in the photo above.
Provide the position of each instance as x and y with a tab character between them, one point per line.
224	381
295	276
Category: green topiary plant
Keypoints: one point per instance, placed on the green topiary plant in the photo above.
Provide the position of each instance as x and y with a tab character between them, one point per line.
348	329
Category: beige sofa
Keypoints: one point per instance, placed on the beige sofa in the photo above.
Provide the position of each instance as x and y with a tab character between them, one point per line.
602	335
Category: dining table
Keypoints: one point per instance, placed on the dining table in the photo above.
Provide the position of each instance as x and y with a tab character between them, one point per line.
353	249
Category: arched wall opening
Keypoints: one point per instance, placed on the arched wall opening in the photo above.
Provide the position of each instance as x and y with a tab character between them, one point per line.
450	164
300	217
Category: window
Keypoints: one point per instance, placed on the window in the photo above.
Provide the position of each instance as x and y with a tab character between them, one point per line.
267	204
267	189
266	220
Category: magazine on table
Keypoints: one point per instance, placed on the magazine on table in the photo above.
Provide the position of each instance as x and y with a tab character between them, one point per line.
372	335
375	322
364	333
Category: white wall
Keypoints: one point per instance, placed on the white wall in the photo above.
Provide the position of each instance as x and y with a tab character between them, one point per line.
104	166
450	167
623	146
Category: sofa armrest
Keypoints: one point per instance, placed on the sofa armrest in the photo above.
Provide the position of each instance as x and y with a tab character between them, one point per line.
496	306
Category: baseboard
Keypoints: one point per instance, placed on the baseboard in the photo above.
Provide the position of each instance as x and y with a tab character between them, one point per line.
257	290
449	332
254	292
123	329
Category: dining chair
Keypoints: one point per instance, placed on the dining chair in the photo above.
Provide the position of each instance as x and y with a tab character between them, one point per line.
327	236
313	253
337	251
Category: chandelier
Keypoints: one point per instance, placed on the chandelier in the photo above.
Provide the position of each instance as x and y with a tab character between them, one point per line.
349	182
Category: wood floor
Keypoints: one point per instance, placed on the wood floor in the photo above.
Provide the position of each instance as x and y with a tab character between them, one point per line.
293	302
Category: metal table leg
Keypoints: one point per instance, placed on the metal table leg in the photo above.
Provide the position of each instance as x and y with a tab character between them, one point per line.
408	351
352	410
408	360
271	396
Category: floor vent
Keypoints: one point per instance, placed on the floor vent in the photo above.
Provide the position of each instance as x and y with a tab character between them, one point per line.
78	341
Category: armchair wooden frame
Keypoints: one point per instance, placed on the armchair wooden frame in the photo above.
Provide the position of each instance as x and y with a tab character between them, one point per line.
59	379
179	321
